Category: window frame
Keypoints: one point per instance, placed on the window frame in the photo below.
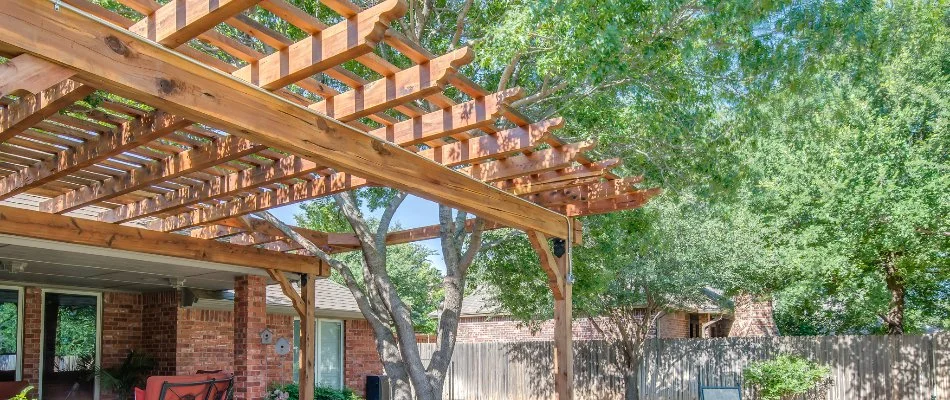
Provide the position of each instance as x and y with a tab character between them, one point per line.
19	328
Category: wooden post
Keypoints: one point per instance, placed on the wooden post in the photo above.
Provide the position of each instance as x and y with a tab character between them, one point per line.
308	338
556	263
563	334
303	303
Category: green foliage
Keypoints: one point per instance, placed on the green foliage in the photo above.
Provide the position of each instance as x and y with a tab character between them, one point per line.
8	328
123	378
867	185
291	391
785	376
23	395
76	331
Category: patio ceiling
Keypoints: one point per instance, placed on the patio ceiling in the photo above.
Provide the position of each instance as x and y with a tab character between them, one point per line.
54	264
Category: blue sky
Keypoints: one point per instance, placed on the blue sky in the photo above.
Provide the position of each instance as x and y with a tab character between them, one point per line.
413	213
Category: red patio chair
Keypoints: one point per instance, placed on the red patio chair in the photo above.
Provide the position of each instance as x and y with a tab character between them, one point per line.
187	387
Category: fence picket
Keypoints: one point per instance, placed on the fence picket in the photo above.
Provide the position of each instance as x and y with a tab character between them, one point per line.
863	367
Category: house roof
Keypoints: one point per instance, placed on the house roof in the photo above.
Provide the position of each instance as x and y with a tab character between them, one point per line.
331	297
481	303
333	300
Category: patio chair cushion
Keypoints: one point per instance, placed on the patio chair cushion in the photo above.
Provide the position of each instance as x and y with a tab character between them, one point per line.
186	387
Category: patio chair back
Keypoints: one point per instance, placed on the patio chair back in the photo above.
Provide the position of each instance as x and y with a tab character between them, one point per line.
187	387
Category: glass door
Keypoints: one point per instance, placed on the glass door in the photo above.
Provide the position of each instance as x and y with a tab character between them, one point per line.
9	334
70	346
330	354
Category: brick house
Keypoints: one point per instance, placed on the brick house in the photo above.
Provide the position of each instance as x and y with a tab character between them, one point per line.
481	321
148	303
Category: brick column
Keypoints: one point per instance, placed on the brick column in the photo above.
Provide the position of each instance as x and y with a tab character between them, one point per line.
250	318
32	334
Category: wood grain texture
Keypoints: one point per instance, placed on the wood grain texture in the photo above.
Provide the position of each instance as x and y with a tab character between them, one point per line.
127	65
125	137
39	225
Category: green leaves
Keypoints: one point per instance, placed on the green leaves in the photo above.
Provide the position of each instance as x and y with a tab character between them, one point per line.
785	375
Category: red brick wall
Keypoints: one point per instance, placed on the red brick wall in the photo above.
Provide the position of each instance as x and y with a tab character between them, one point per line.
205	340
280	368
673	325
360	357
250	318
121	326
505	329
753	317
159	325
32	334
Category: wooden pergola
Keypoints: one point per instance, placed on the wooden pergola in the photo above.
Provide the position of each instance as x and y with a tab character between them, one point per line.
199	129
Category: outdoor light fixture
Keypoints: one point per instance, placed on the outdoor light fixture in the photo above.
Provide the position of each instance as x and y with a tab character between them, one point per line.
559	247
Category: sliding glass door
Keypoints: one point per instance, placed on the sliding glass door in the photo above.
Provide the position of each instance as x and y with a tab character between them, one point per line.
70	346
10	325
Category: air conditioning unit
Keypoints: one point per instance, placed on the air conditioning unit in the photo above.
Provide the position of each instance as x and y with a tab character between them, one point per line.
377	387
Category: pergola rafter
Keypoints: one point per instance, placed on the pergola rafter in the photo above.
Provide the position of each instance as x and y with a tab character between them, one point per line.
191	138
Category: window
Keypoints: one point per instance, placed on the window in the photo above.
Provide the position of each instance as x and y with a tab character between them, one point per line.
695	329
10	322
330	354
329	357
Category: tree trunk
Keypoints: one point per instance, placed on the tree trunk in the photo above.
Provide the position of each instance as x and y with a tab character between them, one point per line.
631	385
895	284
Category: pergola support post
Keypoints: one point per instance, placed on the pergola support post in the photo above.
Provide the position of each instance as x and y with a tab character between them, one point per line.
563	337
556	262
304	303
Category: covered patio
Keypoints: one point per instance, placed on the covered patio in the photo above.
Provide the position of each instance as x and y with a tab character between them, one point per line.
137	147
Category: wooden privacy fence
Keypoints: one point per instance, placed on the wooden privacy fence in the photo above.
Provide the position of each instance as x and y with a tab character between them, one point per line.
862	367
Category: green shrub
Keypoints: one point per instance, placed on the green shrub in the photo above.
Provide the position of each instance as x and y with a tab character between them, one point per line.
23	394
290	391
784	376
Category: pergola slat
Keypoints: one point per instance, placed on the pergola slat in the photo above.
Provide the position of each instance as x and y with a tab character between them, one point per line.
625	202
497	145
31	109
409	84
341	42
179	21
590	192
125	137
535	163
477	113
229	148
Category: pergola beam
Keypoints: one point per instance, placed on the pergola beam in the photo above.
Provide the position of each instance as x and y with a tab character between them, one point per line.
40	225
126	64
461	117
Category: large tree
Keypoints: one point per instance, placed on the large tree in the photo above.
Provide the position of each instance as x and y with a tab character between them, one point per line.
849	163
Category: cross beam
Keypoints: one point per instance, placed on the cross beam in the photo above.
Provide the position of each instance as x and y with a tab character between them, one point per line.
112	58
